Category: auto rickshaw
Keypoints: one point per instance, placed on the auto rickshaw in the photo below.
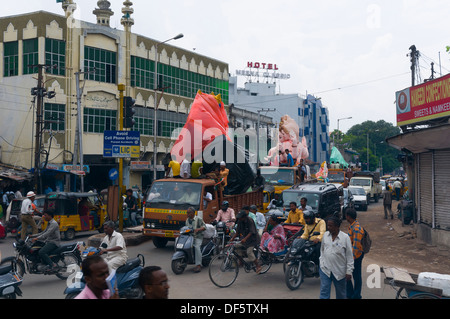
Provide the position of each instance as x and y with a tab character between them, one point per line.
76	212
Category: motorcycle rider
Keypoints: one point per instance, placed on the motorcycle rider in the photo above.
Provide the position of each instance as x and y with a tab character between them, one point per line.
198	225
226	214
116	250
313	224
52	239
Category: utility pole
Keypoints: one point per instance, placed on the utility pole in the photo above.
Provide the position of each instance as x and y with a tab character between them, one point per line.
78	147
414	56
40	92
121	88
257	132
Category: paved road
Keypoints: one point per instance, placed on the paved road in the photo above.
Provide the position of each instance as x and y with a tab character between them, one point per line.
198	286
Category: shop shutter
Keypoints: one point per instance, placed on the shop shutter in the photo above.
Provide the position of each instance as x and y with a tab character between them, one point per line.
425	188
442	189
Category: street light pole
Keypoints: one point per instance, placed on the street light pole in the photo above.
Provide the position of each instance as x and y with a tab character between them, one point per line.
345	118
155	80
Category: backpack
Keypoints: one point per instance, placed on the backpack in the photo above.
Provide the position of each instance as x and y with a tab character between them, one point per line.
366	242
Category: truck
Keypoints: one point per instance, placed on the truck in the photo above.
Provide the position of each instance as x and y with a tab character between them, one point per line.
277	179
168	200
370	181
339	176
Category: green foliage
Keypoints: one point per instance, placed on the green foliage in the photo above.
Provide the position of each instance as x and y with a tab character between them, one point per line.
356	139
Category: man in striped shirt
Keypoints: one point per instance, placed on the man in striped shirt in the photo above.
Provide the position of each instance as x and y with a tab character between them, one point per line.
356	234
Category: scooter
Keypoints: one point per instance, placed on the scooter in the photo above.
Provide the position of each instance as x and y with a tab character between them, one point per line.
127	277
9	281
185	253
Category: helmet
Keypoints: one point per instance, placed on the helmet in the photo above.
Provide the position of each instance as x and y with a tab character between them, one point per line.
309	214
225	203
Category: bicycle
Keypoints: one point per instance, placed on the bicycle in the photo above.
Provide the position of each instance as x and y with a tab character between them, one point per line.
224	268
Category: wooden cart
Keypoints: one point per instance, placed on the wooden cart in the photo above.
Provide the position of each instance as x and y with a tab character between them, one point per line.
406	285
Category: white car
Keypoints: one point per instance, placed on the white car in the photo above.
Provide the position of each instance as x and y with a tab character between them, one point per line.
359	197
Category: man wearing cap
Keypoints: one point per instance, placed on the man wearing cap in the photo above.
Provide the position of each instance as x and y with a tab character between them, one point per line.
223	174
26	212
246	230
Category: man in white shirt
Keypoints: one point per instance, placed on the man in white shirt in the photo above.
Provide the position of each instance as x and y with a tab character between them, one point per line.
336	260
115	253
26	213
185	168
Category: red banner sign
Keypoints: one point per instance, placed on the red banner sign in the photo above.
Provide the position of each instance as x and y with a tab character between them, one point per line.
424	102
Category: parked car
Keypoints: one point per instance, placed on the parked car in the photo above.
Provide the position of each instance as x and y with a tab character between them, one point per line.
348	202
360	198
324	199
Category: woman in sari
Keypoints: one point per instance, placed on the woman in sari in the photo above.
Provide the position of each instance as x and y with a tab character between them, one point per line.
275	240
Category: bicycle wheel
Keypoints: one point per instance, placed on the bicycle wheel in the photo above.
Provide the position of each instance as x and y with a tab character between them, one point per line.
265	262
223	270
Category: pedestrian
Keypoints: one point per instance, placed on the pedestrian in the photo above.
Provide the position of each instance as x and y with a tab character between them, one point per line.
26	212
397	188
116	250
260	219
154	283
198	225
95	271
336	260
387	202
356	234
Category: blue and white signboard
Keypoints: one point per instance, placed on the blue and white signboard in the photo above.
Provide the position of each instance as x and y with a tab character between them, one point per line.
123	144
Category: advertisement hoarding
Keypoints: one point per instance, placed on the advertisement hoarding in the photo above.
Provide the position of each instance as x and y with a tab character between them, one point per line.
424	102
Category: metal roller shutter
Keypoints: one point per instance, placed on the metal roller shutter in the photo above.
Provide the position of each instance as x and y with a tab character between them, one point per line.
442	189
425	188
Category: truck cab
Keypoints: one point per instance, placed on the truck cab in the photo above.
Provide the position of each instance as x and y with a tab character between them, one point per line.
277	179
168	200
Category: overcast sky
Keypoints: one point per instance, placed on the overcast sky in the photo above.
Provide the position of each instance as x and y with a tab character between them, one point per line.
350	53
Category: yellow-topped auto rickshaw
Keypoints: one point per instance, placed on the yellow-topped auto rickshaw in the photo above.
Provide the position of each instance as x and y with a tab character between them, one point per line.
76	212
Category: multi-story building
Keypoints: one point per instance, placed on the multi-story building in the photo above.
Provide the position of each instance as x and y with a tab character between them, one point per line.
309	113
105	58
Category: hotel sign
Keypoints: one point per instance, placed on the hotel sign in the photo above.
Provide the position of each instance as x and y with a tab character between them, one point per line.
424	102
263	69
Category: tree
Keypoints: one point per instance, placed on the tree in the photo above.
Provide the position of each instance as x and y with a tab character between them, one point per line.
376	133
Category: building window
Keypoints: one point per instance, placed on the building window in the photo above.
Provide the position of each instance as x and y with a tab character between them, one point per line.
144	125
55	117
165	128
55	54
175	80
99	120
142	73
30	56
104	62
11	58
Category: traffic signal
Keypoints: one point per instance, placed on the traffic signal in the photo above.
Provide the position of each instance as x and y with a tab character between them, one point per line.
128	112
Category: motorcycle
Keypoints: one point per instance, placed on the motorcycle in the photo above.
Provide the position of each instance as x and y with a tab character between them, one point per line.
9	281
27	258
222	237
301	262
127	277
185	253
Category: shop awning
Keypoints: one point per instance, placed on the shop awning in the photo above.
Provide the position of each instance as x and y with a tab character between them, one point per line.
423	140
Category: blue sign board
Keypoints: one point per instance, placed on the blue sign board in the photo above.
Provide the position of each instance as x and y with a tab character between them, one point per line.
113	174
121	144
